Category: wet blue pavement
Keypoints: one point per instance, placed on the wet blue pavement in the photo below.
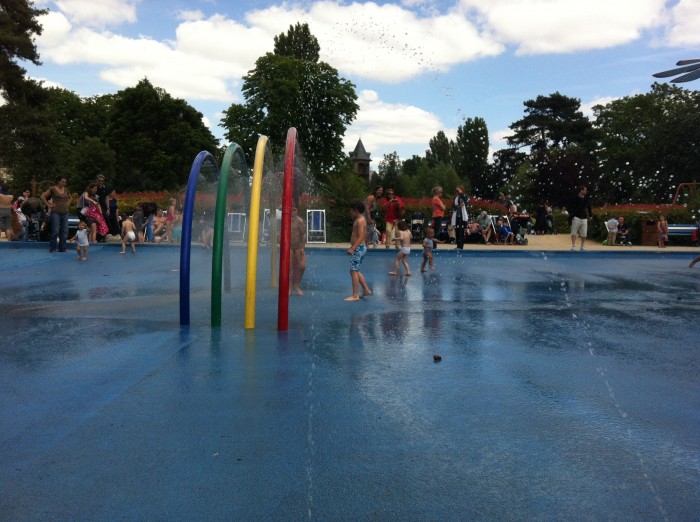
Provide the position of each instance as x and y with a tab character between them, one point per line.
569	388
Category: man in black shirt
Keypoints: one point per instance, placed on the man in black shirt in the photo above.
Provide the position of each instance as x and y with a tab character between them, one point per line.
579	212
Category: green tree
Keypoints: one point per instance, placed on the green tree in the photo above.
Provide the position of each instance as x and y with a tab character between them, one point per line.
470	155
285	89
389	171
561	144
298	43
505	166
18	28
440	150
155	138
649	143
442	175
553	121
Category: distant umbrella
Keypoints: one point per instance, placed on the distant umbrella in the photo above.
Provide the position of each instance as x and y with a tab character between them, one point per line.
690	71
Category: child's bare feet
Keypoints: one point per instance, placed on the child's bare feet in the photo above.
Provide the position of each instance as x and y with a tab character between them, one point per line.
123	252
408	274
352	298
392	273
365	293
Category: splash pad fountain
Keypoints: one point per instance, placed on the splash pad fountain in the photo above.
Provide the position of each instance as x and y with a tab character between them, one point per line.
568	384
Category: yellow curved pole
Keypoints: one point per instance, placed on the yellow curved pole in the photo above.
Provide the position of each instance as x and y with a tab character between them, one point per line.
253	230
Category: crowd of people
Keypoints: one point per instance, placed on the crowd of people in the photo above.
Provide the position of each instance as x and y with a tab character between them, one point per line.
453	224
46	217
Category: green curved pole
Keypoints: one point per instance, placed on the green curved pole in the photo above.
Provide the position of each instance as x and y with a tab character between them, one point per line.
219	229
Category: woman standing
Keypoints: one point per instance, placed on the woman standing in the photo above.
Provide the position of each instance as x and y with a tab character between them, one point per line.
113	213
459	215
372	205
57	199
93	213
438	209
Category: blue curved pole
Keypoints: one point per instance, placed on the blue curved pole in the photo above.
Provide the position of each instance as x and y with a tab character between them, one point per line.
186	243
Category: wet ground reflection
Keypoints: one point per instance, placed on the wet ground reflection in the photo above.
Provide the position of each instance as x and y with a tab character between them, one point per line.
565	387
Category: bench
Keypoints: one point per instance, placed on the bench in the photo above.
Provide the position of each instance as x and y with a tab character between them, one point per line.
683	232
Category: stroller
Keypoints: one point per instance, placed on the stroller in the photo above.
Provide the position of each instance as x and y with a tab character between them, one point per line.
417	226
442	232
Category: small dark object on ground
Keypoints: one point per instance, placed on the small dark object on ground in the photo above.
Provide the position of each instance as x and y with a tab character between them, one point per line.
437	357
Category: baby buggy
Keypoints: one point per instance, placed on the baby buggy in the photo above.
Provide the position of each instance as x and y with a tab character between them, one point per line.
417	226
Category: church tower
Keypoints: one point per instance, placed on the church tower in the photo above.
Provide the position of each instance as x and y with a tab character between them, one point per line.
360	161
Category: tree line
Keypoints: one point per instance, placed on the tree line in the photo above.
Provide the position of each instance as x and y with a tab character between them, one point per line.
635	149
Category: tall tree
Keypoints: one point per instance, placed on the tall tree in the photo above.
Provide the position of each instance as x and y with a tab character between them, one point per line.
18	28
299	43
649	143
290	88
470	155
389	171
440	150
561	144
553	121
155	137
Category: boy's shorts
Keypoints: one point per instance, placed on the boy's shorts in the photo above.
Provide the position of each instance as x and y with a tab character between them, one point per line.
356	258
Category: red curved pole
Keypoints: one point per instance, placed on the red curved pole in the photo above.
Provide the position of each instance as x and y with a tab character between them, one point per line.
286	232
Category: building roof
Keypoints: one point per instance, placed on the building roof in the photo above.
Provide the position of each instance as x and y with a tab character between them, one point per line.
360	153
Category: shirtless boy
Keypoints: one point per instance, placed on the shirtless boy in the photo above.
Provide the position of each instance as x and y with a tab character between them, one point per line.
357	251
128	234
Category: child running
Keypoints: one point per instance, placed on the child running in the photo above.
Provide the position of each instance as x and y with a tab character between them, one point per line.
357	251
81	237
128	234
404	238
428	245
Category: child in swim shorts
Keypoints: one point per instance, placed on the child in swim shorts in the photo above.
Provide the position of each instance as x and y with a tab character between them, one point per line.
357	251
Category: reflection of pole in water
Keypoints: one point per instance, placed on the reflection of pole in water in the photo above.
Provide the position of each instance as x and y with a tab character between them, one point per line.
274	278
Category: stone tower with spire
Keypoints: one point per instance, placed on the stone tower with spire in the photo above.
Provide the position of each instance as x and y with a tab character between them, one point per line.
361	160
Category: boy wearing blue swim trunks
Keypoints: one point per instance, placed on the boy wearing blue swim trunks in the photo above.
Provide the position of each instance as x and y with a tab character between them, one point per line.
357	251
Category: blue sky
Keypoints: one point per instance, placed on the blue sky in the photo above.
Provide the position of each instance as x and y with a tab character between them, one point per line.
419	66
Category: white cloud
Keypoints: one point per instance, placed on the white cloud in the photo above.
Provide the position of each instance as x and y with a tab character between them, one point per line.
190	16
498	138
685	25
127	60
587	108
56	31
382	126
544	26
382	42
99	14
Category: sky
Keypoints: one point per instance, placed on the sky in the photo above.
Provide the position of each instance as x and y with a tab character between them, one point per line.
418	66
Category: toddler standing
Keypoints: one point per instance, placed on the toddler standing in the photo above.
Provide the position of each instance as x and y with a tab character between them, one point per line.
404	238
428	245
129	234
81	236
